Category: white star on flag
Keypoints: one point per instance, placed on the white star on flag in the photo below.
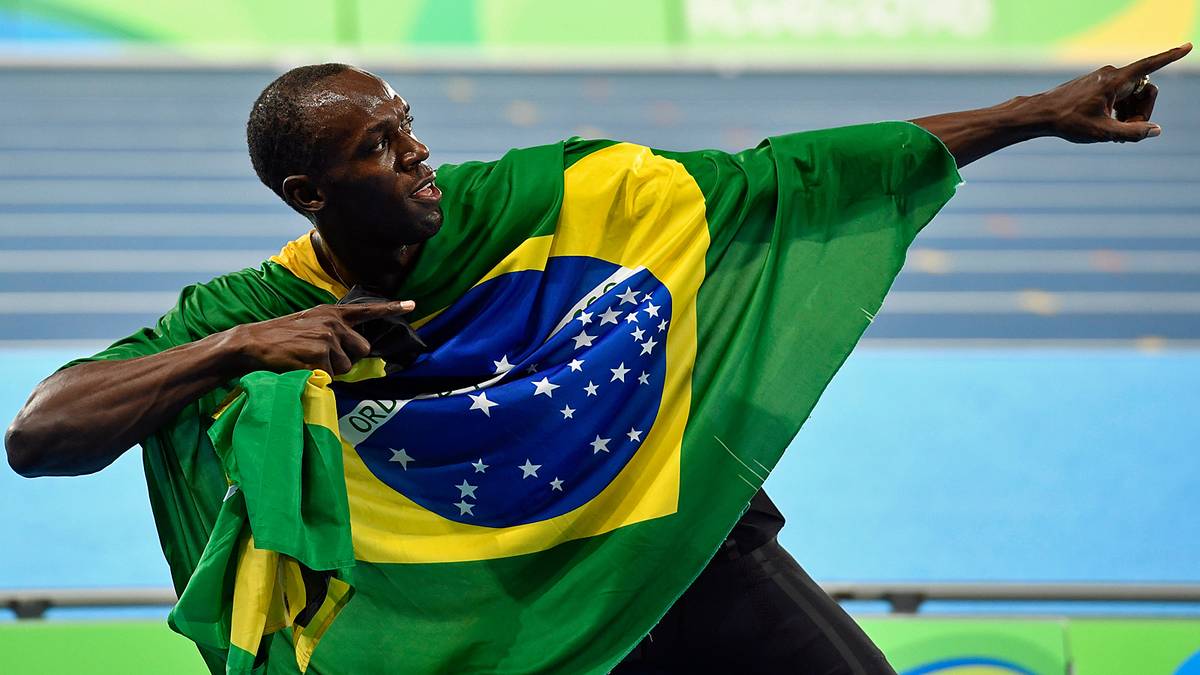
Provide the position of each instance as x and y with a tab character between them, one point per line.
609	316
576	365
400	456
583	340
652	309
628	297
481	402
464	509
584	318
467	490
637	335
556	484
590	389
502	366
544	386
662	326
619	372
644	378
480	467
531	369
634	435
631	317
528	469
567	412
599	444
648	346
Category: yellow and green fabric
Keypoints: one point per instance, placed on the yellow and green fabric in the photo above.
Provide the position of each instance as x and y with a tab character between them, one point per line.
623	342
280	554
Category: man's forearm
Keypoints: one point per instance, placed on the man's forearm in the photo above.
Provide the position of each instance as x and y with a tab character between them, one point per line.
972	134
1107	104
81	419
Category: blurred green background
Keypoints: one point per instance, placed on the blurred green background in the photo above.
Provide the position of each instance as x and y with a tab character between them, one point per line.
892	33
963	646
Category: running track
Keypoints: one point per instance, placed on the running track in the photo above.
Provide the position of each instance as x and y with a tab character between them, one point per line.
1060	446
117	188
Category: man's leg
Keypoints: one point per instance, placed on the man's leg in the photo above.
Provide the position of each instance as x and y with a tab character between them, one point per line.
755	612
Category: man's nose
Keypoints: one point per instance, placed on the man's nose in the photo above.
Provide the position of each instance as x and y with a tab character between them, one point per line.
414	153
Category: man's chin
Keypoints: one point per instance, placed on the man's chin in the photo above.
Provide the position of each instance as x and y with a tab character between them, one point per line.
415	228
430	225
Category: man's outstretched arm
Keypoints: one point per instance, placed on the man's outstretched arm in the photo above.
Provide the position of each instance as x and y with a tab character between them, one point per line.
1104	105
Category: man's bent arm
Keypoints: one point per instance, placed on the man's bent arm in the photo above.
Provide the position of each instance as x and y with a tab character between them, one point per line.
81	419
1109	104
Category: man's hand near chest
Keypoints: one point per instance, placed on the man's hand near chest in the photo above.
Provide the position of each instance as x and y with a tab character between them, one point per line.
81	419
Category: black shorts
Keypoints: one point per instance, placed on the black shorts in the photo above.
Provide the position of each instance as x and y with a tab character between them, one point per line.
755	612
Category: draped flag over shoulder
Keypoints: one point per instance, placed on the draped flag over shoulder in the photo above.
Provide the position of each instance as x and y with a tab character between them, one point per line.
624	341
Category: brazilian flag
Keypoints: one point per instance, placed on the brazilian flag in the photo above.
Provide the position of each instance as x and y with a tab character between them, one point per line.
623	343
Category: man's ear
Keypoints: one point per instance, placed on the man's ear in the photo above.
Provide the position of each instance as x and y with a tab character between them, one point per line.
301	192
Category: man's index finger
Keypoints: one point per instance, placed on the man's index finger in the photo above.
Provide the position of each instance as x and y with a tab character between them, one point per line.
1152	63
365	311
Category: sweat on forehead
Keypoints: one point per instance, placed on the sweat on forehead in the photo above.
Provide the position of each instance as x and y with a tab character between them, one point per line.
356	87
316	98
387	88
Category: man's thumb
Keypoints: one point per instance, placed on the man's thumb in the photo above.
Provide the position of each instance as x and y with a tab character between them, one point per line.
1132	131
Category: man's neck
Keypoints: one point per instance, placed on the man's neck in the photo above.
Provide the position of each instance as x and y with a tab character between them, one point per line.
379	271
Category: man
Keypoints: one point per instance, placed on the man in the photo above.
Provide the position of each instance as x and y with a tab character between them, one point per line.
337	145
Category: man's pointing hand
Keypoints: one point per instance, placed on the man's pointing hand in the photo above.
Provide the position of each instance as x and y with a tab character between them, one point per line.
322	337
1107	104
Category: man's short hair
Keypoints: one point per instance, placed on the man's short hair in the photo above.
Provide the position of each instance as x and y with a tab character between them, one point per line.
281	134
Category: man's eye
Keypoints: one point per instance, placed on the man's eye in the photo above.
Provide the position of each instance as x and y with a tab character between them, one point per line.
381	145
407	126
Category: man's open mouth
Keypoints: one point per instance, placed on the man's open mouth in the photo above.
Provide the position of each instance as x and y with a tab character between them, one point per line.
426	191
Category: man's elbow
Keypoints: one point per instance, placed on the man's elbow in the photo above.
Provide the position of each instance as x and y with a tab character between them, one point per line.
39	444
22	448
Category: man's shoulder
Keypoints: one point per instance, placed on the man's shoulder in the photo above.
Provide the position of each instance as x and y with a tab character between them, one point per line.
243	296
287	282
252	294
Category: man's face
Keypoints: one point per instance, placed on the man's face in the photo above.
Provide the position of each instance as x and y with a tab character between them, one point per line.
377	188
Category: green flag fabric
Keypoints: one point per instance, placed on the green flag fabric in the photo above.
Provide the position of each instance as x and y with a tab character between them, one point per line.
280	554
705	298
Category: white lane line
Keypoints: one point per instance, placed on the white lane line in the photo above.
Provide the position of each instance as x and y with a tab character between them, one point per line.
101	195
1010	261
88	302
920	261
215	262
1039	302
150	225
1000	229
909	302
78	346
1003	227
164	166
